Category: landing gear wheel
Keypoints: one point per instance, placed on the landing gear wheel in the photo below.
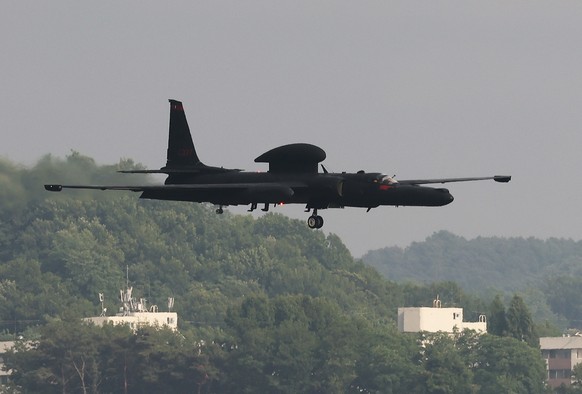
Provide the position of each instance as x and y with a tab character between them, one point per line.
318	222
315	221
219	210
312	222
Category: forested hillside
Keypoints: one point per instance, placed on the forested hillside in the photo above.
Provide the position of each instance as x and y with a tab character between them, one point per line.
547	272
265	305
482	263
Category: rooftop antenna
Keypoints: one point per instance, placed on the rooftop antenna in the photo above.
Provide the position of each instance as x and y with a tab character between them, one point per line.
125	296
102	300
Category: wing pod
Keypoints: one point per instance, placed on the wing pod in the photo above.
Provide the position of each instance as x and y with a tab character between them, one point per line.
502	178
53	188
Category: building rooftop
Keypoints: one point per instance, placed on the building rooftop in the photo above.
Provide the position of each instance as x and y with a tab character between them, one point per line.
561	342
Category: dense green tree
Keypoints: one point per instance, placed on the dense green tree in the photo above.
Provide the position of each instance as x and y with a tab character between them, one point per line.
65	360
76	357
520	324
497	319
445	370
390	364
576	387
508	365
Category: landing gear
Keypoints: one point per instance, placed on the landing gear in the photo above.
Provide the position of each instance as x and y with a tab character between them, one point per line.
315	221
253	207
219	210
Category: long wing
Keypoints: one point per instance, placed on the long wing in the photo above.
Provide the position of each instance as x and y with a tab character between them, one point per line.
185	187
496	178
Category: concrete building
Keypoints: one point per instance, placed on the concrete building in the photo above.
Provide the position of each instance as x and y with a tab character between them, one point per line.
136	320
562	354
136	313
437	319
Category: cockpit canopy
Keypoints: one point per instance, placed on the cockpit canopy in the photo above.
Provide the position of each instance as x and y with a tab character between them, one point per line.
386	180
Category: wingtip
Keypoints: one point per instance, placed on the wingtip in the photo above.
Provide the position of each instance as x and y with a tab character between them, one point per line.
53	188
502	178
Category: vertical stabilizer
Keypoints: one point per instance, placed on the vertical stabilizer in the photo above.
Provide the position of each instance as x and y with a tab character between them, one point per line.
181	152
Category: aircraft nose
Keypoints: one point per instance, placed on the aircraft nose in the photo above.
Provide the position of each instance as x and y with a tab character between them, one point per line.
447	197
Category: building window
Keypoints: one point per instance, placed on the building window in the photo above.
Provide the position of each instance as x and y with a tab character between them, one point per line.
560	373
563	354
545	354
552	354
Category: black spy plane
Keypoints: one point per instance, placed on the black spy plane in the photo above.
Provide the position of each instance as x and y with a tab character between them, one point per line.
293	178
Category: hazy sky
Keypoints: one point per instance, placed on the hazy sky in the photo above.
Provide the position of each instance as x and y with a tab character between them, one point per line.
413	88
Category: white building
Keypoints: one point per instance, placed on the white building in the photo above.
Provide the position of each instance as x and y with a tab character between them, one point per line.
437	319
136	313
139	319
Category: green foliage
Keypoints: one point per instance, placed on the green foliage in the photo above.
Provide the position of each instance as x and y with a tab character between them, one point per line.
77	357
507	365
576	387
445	371
520	324
69	247
563	293
497	319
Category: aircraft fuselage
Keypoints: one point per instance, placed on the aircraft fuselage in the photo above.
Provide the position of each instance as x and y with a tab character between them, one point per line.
318	191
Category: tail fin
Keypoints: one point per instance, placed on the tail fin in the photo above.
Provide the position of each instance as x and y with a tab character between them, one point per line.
181	152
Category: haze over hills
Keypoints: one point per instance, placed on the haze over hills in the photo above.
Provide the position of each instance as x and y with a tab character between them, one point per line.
480	264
